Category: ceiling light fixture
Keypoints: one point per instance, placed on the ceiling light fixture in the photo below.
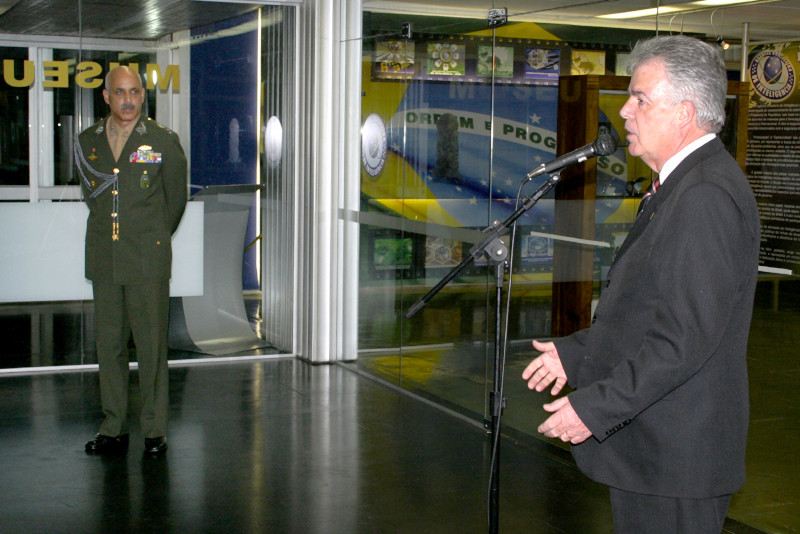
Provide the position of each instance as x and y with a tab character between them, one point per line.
677	8
640	13
721	3
720	41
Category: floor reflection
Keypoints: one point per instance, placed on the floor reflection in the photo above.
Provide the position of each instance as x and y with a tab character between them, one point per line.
281	446
274	446
57	334
458	373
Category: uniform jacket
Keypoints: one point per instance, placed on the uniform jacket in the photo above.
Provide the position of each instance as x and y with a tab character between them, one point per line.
151	199
661	373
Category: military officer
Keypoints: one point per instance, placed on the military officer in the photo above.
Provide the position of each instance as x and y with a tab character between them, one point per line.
134	181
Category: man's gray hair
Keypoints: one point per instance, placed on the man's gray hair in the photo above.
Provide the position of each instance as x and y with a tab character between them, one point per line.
695	72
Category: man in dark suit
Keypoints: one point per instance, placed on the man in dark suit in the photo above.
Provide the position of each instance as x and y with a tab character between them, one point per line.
659	411
134	180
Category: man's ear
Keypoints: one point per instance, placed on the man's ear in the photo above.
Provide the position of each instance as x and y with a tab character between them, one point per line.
105	96
686	113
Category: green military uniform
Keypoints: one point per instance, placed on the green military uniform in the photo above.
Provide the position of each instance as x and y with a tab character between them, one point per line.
135	205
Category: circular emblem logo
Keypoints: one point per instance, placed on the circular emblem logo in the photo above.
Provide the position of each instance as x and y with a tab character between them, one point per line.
772	75
373	145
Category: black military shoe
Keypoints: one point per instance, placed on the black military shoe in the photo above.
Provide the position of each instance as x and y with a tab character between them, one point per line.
155	445
107	444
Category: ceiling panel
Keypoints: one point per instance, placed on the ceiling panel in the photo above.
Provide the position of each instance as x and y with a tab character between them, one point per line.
120	19
768	20
152	19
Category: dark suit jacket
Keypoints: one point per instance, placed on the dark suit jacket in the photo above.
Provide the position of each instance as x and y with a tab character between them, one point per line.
661	376
152	198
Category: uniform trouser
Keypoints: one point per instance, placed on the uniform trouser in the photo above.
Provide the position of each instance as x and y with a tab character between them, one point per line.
141	310
634	513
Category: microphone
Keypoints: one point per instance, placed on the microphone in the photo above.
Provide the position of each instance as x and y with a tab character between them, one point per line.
604	145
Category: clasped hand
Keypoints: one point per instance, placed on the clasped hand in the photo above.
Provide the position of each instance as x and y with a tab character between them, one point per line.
544	370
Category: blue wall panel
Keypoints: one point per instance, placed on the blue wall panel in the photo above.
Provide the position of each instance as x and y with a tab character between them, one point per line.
224	100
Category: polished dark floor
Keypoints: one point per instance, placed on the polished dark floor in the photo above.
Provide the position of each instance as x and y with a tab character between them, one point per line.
276	446
273	446
389	442
459	374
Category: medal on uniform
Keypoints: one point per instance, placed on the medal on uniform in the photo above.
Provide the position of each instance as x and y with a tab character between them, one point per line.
144	181
145	154
93	156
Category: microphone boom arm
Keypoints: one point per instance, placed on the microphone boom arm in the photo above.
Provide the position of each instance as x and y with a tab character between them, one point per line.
493	232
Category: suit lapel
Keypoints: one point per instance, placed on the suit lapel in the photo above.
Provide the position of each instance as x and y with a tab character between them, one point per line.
647	215
100	144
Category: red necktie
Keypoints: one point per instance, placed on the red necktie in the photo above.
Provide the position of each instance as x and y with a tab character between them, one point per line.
654	185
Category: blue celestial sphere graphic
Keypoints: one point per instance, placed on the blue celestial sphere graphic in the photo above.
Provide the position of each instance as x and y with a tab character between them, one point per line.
773	68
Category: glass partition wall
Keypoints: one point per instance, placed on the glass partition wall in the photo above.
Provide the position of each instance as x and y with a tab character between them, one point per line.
230	112
454	116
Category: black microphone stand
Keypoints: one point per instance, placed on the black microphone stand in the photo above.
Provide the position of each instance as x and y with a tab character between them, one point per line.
497	252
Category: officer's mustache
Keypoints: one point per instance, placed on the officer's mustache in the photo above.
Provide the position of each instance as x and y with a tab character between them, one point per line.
127	107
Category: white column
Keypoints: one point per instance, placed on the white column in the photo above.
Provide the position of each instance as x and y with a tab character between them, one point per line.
351	179
42	144
329	119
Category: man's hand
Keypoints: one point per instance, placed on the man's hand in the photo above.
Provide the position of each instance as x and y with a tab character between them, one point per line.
564	424
545	369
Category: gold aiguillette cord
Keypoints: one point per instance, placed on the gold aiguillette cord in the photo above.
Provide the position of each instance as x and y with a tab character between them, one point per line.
115	208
